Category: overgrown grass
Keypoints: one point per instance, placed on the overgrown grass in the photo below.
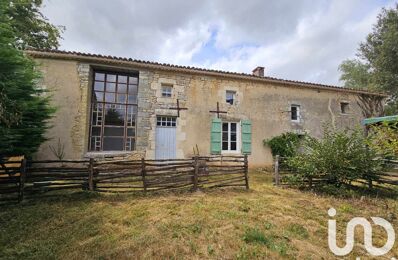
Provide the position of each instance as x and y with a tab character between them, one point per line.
265	222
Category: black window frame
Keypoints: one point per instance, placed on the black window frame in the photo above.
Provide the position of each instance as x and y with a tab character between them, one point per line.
124	92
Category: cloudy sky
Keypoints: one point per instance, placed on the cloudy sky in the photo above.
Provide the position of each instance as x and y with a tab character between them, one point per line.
293	39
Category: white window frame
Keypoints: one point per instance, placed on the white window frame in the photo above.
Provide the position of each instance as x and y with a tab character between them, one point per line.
238	138
166	121
167	90
233	96
298	112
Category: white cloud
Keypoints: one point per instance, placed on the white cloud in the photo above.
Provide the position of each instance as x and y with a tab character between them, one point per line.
298	40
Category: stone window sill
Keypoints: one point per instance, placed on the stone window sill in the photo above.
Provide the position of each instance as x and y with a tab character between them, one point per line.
107	154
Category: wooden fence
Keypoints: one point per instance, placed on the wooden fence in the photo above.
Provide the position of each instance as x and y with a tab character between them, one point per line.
383	180
35	178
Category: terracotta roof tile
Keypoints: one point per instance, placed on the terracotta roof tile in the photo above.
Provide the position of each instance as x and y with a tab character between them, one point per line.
76	55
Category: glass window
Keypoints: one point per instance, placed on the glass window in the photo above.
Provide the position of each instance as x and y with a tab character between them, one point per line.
167	90
344	107
167	121
295	113
230	136
113	113
230	97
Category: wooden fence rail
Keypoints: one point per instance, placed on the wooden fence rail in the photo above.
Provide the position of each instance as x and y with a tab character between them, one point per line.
37	178
388	177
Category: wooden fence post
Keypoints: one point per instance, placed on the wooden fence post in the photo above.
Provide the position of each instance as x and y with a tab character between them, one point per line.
370	183
246	162
91	175
22	178
276	166
143	172
196	174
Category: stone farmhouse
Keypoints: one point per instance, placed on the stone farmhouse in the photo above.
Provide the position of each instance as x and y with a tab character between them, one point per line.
120	107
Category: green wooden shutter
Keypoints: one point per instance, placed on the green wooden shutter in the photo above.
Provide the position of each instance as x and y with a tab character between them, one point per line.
215	136
246	136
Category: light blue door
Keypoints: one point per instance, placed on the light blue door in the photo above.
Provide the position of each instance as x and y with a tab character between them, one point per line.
166	145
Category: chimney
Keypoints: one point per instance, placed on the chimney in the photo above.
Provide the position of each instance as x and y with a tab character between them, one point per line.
259	72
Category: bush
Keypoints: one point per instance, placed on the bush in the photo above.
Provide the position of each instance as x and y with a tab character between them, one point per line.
284	145
339	157
384	139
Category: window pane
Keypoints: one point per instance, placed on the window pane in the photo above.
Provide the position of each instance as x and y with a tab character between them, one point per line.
225	127
122	88
113	131
113	144
96	130
132	99
95	143
100	76
99	86
122	79
131	132
133	89
114	116
99	96
111	78
230	97
233	137
294	112
110	87
121	98
225	136
225	146
131	113
133	80
130	144
233	127
233	146
110	97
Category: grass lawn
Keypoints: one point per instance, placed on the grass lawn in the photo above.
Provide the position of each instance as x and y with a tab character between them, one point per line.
265	222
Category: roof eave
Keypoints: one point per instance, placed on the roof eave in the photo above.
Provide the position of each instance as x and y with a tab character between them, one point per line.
151	65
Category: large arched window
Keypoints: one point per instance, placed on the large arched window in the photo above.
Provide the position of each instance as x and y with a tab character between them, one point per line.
113	111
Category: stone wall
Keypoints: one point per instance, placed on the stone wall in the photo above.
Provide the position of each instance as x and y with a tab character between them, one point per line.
266	105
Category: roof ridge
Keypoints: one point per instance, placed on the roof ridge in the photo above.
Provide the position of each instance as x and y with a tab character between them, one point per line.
199	69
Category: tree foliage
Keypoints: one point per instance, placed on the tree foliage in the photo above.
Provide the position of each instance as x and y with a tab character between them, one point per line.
30	27
384	139
339	157
284	145
24	106
376	67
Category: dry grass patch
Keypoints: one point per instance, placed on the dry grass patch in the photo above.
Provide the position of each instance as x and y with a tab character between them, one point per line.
219	224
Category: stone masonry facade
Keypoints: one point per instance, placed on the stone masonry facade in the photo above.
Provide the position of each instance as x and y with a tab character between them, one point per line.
266	104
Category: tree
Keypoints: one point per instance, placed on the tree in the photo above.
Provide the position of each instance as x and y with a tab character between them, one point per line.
31	28
24	106
376	67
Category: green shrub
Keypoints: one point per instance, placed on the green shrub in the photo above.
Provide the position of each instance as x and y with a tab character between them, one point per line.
383	139
339	157
284	145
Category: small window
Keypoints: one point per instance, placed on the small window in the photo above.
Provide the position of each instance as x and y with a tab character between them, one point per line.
230	97
167	90
166	121
344	107
295	113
